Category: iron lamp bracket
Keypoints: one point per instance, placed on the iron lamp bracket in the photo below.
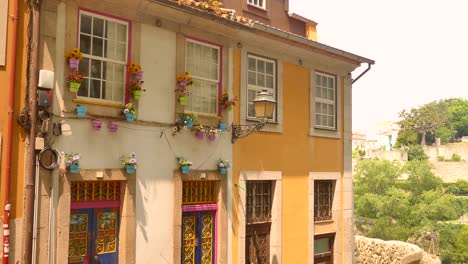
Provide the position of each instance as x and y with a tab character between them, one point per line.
242	131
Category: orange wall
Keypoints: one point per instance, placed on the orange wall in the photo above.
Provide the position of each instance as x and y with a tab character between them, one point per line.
18	143
293	152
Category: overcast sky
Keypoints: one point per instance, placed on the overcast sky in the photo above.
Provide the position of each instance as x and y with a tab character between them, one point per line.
420	48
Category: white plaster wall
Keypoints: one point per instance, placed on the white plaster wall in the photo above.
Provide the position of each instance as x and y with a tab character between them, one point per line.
158	52
155	146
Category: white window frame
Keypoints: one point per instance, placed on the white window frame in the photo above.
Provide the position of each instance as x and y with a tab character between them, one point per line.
326	101
124	63
189	107
257	3
3	31
258	89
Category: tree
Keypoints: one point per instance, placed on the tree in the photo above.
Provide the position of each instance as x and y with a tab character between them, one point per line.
426	119
459	116
420	176
375	176
416	152
406	137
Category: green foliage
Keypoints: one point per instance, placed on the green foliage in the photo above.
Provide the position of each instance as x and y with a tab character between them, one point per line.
445	134
458	110
460	187
358	153
416	152
456	157
440	158
406	137
402	210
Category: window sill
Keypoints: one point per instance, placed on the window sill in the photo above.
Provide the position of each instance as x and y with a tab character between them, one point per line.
318	132
324	221
92	102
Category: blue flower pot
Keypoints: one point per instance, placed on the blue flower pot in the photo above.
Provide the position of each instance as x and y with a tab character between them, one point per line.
185	169
222	126
189	124
223	170
74	168
129	117
130	169
81	111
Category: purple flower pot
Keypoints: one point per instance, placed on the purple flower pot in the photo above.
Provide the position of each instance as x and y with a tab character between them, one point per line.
139	76
113	127
74	63
200	134
211	137
97	124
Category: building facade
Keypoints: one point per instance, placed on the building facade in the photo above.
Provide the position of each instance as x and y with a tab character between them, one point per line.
287	197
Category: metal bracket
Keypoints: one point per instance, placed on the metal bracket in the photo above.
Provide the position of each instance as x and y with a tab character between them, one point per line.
242	131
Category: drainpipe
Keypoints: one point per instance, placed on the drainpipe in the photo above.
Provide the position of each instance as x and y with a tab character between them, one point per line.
29	178
364	72
7	205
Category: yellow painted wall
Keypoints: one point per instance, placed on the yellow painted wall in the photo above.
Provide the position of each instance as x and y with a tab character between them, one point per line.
18	144
293	152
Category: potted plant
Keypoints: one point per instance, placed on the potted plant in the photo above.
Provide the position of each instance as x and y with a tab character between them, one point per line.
184	165
135	71
129	112
129	162
223	165
222	126
212	132
81	110
226	103
135	87
74	57
113	126
74	79
199	132
72	161
186	119
182	82
96	124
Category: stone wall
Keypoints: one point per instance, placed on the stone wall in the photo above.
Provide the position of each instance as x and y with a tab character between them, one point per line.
447	151
370	250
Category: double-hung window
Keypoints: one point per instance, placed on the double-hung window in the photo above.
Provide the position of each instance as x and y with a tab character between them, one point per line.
103	42
202	61
325	101
261	75
323	199
257	3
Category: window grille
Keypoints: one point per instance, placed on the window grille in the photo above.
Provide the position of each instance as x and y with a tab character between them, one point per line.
323	199
198	192
103	41
259	3
202	61
258	221
325	101
92	191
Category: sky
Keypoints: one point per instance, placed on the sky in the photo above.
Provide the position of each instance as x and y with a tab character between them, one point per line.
420	48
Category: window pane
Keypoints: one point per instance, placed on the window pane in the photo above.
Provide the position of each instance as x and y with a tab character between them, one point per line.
95	69
318	107
317	79
330	121
85	44
260	79
324	93
324	81
85	25
269	68
261	66
318	119
269	81
331	82
97	47
331	109
95	89
98	27
121	52
252	78
109	49
252	63
322	245
330	95
317	91
83	91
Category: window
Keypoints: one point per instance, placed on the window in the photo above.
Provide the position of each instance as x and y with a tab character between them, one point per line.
325	101
323	199
323	249
258	3
261	75
202	61
258	221
104	44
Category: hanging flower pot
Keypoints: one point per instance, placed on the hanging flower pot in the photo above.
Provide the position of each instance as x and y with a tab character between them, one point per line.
74	63
139	76
189	123
130	169
183	99
129	117
223	170
185	169
222	127
229	108
74	168
136	94
96	124
74	86
112	127
81	110
200	134
211	137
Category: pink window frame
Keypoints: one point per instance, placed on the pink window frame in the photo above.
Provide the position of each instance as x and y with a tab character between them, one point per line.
206	207
220	81
129	48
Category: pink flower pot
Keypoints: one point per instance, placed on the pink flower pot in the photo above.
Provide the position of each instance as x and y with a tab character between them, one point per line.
200	134
113	127
139	76
211	137
74	63
97	124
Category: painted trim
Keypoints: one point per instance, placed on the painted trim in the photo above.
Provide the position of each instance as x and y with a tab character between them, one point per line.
199	207
129	39
220	68
101	204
